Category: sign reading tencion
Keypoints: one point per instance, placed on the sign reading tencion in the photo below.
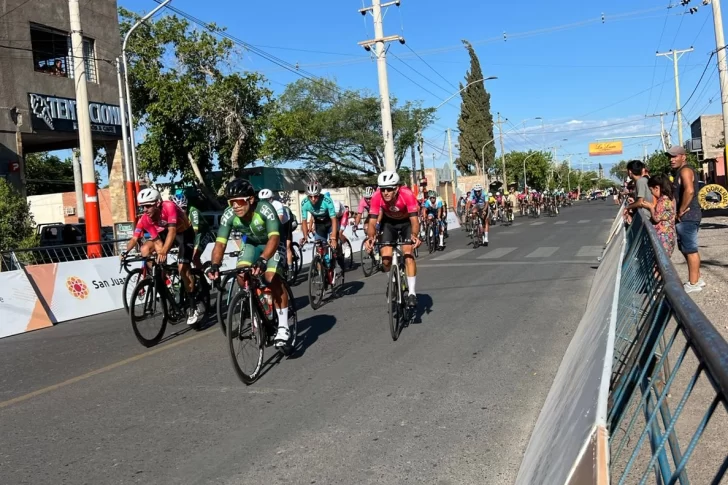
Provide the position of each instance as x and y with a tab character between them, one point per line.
59	114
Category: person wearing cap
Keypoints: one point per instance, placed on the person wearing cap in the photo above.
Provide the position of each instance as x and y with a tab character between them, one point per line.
689	215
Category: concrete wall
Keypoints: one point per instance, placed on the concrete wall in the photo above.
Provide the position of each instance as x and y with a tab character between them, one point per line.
709	128
50	208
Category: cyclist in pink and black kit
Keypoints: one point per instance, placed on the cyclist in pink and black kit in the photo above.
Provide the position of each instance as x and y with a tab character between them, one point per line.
167	226
363	207
395	209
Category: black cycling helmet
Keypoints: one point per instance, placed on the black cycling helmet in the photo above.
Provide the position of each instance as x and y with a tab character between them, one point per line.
239	188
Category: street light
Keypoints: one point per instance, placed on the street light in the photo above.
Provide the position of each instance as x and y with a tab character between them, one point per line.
524	169
489	78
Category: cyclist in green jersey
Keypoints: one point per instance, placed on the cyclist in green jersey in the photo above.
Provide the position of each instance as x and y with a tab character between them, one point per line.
199	225
262	247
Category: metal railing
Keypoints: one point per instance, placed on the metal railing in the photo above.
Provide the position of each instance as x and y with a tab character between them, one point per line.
669	380
17	258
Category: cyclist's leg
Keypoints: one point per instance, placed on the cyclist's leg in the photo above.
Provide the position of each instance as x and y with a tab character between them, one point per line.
389	235
404	228
185	242
274	279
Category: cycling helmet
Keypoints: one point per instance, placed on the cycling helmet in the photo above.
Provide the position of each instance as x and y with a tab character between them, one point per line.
239	188
498	194
148	196
265	194
490	194
368	192
388	178
431	193
180	200
314	188
478	188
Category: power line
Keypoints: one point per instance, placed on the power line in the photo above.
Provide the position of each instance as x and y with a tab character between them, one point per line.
654	68
448	91
14	9
707	64
413	81
432	68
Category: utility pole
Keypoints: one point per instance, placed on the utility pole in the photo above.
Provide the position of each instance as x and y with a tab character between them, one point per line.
379	42
90	194
414	171
452	171
676	55
663	135
78	184
503	152
722	71
421	149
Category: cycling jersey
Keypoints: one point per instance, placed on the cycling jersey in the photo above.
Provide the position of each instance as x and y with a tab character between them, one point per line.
169	215
432	208
403	207
200	225
284	213
323	210
478	200
339	209
363	205
263	225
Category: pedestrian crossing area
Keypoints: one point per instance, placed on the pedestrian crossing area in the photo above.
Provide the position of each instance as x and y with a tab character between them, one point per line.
563	254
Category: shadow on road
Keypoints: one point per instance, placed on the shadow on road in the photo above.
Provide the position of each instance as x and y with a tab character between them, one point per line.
712	225
424	306
309	330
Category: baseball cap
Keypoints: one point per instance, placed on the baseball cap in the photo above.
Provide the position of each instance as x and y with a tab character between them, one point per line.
674	151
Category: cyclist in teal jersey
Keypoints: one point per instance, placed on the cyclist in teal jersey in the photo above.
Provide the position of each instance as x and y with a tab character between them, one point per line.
199	225
326	224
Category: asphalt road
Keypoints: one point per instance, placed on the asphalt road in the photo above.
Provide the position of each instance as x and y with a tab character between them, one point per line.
454	400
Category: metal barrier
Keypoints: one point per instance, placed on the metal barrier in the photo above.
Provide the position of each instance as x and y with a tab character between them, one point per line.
663	345
15	259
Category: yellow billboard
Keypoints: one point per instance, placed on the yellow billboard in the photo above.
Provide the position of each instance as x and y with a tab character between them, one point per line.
605	148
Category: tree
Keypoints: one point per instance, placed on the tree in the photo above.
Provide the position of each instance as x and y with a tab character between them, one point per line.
195	114
17	228
475	122
538	168
48	174
339	131
619	170
659	163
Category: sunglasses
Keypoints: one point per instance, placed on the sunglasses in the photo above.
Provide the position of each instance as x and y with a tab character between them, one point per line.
387	189
147	207
242	202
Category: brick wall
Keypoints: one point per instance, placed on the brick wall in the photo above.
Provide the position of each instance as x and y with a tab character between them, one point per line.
69	200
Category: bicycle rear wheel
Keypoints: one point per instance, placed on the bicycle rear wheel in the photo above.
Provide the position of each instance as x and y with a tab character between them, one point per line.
245	338
394	306
130	284
148	314
316	275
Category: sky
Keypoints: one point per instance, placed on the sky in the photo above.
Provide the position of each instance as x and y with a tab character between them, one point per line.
587	78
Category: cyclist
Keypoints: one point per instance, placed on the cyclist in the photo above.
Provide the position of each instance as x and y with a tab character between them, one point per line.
199	225
432	211
478	204
342	218
285	216
167	226
262	248
364	204
395	209
323	215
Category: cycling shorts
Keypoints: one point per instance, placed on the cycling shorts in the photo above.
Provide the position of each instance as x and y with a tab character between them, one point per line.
393	229
203	239
323	228
184	242
250	253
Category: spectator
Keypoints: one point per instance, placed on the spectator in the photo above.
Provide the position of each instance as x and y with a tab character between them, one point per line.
663	211
57	69
685	187
642	194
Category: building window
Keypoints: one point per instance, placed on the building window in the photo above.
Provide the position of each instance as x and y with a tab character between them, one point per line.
52	53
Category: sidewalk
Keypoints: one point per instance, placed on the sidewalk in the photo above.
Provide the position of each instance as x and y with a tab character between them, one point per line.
713	241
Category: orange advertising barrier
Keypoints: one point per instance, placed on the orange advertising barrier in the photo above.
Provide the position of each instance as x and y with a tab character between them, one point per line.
20	309
605	148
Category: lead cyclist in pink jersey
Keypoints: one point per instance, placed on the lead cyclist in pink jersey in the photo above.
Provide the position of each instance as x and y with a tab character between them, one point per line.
167	226
395	209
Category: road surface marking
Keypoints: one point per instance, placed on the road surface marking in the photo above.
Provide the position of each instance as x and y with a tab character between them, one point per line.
453	254
543	252
506	263
537	223
584	221
107	368
497	253
589	252
607	220
516	224
561	222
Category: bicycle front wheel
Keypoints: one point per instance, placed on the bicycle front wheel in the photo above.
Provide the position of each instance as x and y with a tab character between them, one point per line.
130	284
148	314
228	289
367	261
394	306
245	338
316	275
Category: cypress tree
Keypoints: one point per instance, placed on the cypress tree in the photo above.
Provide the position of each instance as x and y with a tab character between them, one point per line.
475	122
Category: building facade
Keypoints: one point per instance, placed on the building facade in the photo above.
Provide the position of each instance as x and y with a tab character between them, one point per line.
37	91
706	138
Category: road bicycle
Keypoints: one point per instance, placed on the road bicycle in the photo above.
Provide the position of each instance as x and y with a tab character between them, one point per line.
399	313
371	261
477	236
160	298
321	274
252	323
132	276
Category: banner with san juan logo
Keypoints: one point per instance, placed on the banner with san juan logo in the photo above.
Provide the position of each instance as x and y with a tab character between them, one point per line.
79	288
20	309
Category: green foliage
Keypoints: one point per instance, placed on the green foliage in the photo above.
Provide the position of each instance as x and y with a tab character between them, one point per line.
659	163
475	122
338	131
538	168
47	174
619	170
195	113
17	228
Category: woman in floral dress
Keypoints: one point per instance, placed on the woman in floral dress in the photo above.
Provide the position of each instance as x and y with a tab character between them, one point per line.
663	211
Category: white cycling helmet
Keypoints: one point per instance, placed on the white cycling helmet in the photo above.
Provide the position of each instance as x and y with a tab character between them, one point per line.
490	194
478	188
498	194
388	178
368	192
314	188
265	194
148	196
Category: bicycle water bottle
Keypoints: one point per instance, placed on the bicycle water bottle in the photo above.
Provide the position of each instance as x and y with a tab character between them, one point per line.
327	259
266	301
